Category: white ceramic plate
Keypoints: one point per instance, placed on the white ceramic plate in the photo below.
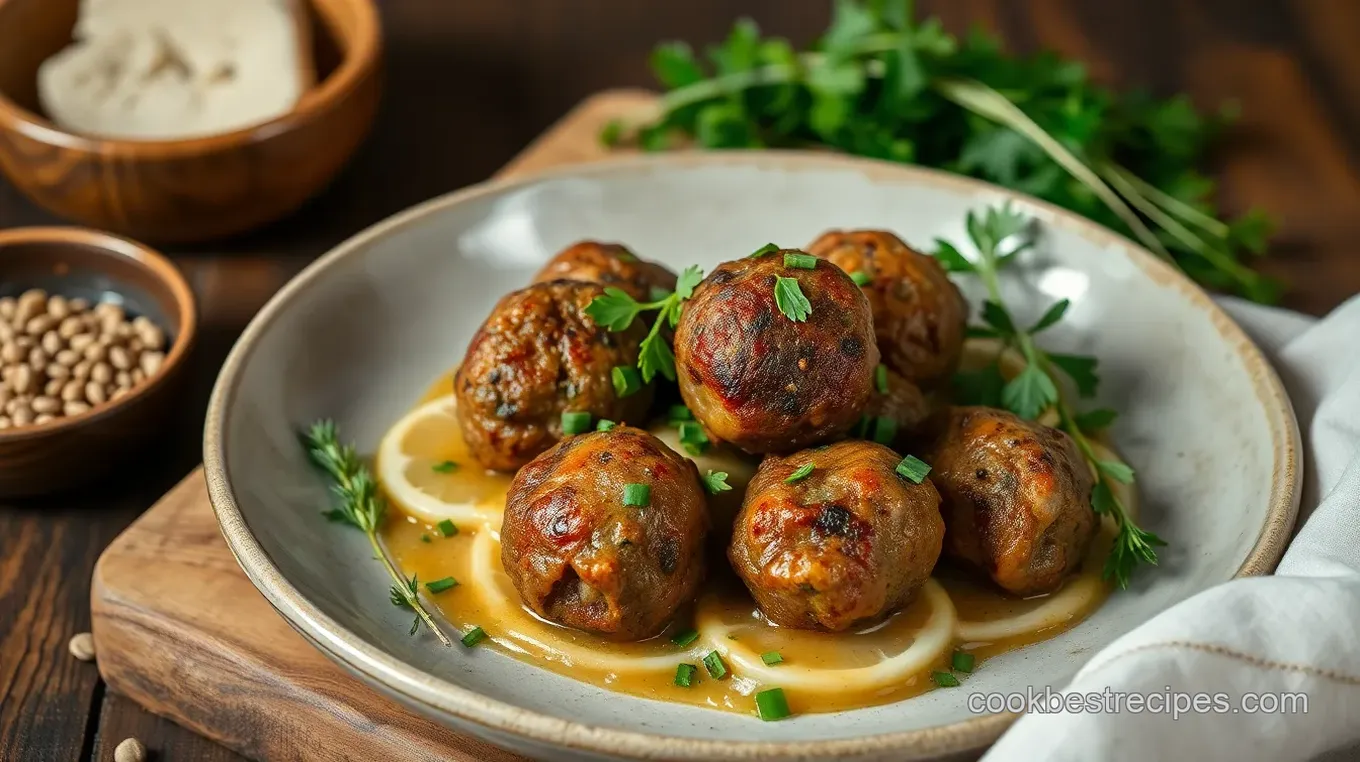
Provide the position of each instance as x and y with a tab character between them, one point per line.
361	332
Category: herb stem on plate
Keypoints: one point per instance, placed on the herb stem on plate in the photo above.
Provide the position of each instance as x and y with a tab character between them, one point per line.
363	507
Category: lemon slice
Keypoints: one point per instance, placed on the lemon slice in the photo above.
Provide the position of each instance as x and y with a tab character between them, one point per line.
413	468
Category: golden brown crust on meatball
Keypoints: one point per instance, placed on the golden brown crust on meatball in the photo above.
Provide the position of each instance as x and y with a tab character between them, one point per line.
608	264
756	378
537	355
919	314
917	416
581	558
849	543
1017	498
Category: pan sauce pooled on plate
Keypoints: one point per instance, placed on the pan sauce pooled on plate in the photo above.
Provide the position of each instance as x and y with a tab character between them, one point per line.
600	543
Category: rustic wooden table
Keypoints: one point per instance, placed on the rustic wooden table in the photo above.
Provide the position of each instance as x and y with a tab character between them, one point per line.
468	84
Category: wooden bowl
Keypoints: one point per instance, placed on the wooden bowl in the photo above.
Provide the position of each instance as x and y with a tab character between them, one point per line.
193	189
70	451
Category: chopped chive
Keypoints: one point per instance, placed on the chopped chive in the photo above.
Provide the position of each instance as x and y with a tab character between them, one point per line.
962	661
424	538
800	261
626	380
447	467
913	469
715	666
474	636
693	438
881	378
684	675
944	679
685	637
801	473
575	422
763	250
639	495
861	429
771	705
860	277
679	413
440	585
885	430
446	528
605	425
772	657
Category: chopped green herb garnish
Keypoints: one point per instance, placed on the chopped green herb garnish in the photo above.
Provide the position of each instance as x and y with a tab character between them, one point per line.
425	538
685	637
788	297
639	495
447	467
885	430
881	378
913	469
771	705
575	422
684	675
605	425
801	473
715	666
944	679
474	636
440	585
446	528
962	661
800	261
616	310
693	438
626	380
763	250
772	657
861	278
715	482
861	428
679	413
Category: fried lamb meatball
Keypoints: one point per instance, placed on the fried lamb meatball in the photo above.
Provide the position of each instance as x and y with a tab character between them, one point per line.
848	543
608	264
538	355
1016	498
582	556
763	381
919	314
913	416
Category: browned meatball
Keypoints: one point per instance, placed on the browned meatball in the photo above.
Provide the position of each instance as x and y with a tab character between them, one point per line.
608	264
849	543
919	314
915	416
762	381
580	557
539	354
1017	498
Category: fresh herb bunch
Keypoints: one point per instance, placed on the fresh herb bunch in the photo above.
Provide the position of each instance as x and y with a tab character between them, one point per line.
999	236
881	84
362	506
616	310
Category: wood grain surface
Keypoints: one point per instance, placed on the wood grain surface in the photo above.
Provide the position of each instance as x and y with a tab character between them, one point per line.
467	84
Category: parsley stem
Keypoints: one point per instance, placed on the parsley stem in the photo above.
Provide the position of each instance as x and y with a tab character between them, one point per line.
412	598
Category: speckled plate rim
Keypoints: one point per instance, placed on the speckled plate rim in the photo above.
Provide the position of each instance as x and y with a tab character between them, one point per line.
438	695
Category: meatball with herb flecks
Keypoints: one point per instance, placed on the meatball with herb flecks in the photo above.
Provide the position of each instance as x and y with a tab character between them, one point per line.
605	533
537	356
610	265
776	352
834	537
899	413
919	314
1017	498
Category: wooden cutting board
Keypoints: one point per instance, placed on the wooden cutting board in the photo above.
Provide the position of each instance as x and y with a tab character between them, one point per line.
180	629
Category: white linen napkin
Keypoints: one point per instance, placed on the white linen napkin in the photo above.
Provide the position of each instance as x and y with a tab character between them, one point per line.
1295	632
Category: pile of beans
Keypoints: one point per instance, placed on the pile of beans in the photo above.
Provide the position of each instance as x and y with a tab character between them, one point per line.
62	356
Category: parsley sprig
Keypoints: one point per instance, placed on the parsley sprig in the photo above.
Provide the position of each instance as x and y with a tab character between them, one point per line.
999	235
360	505
616	310
884	84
